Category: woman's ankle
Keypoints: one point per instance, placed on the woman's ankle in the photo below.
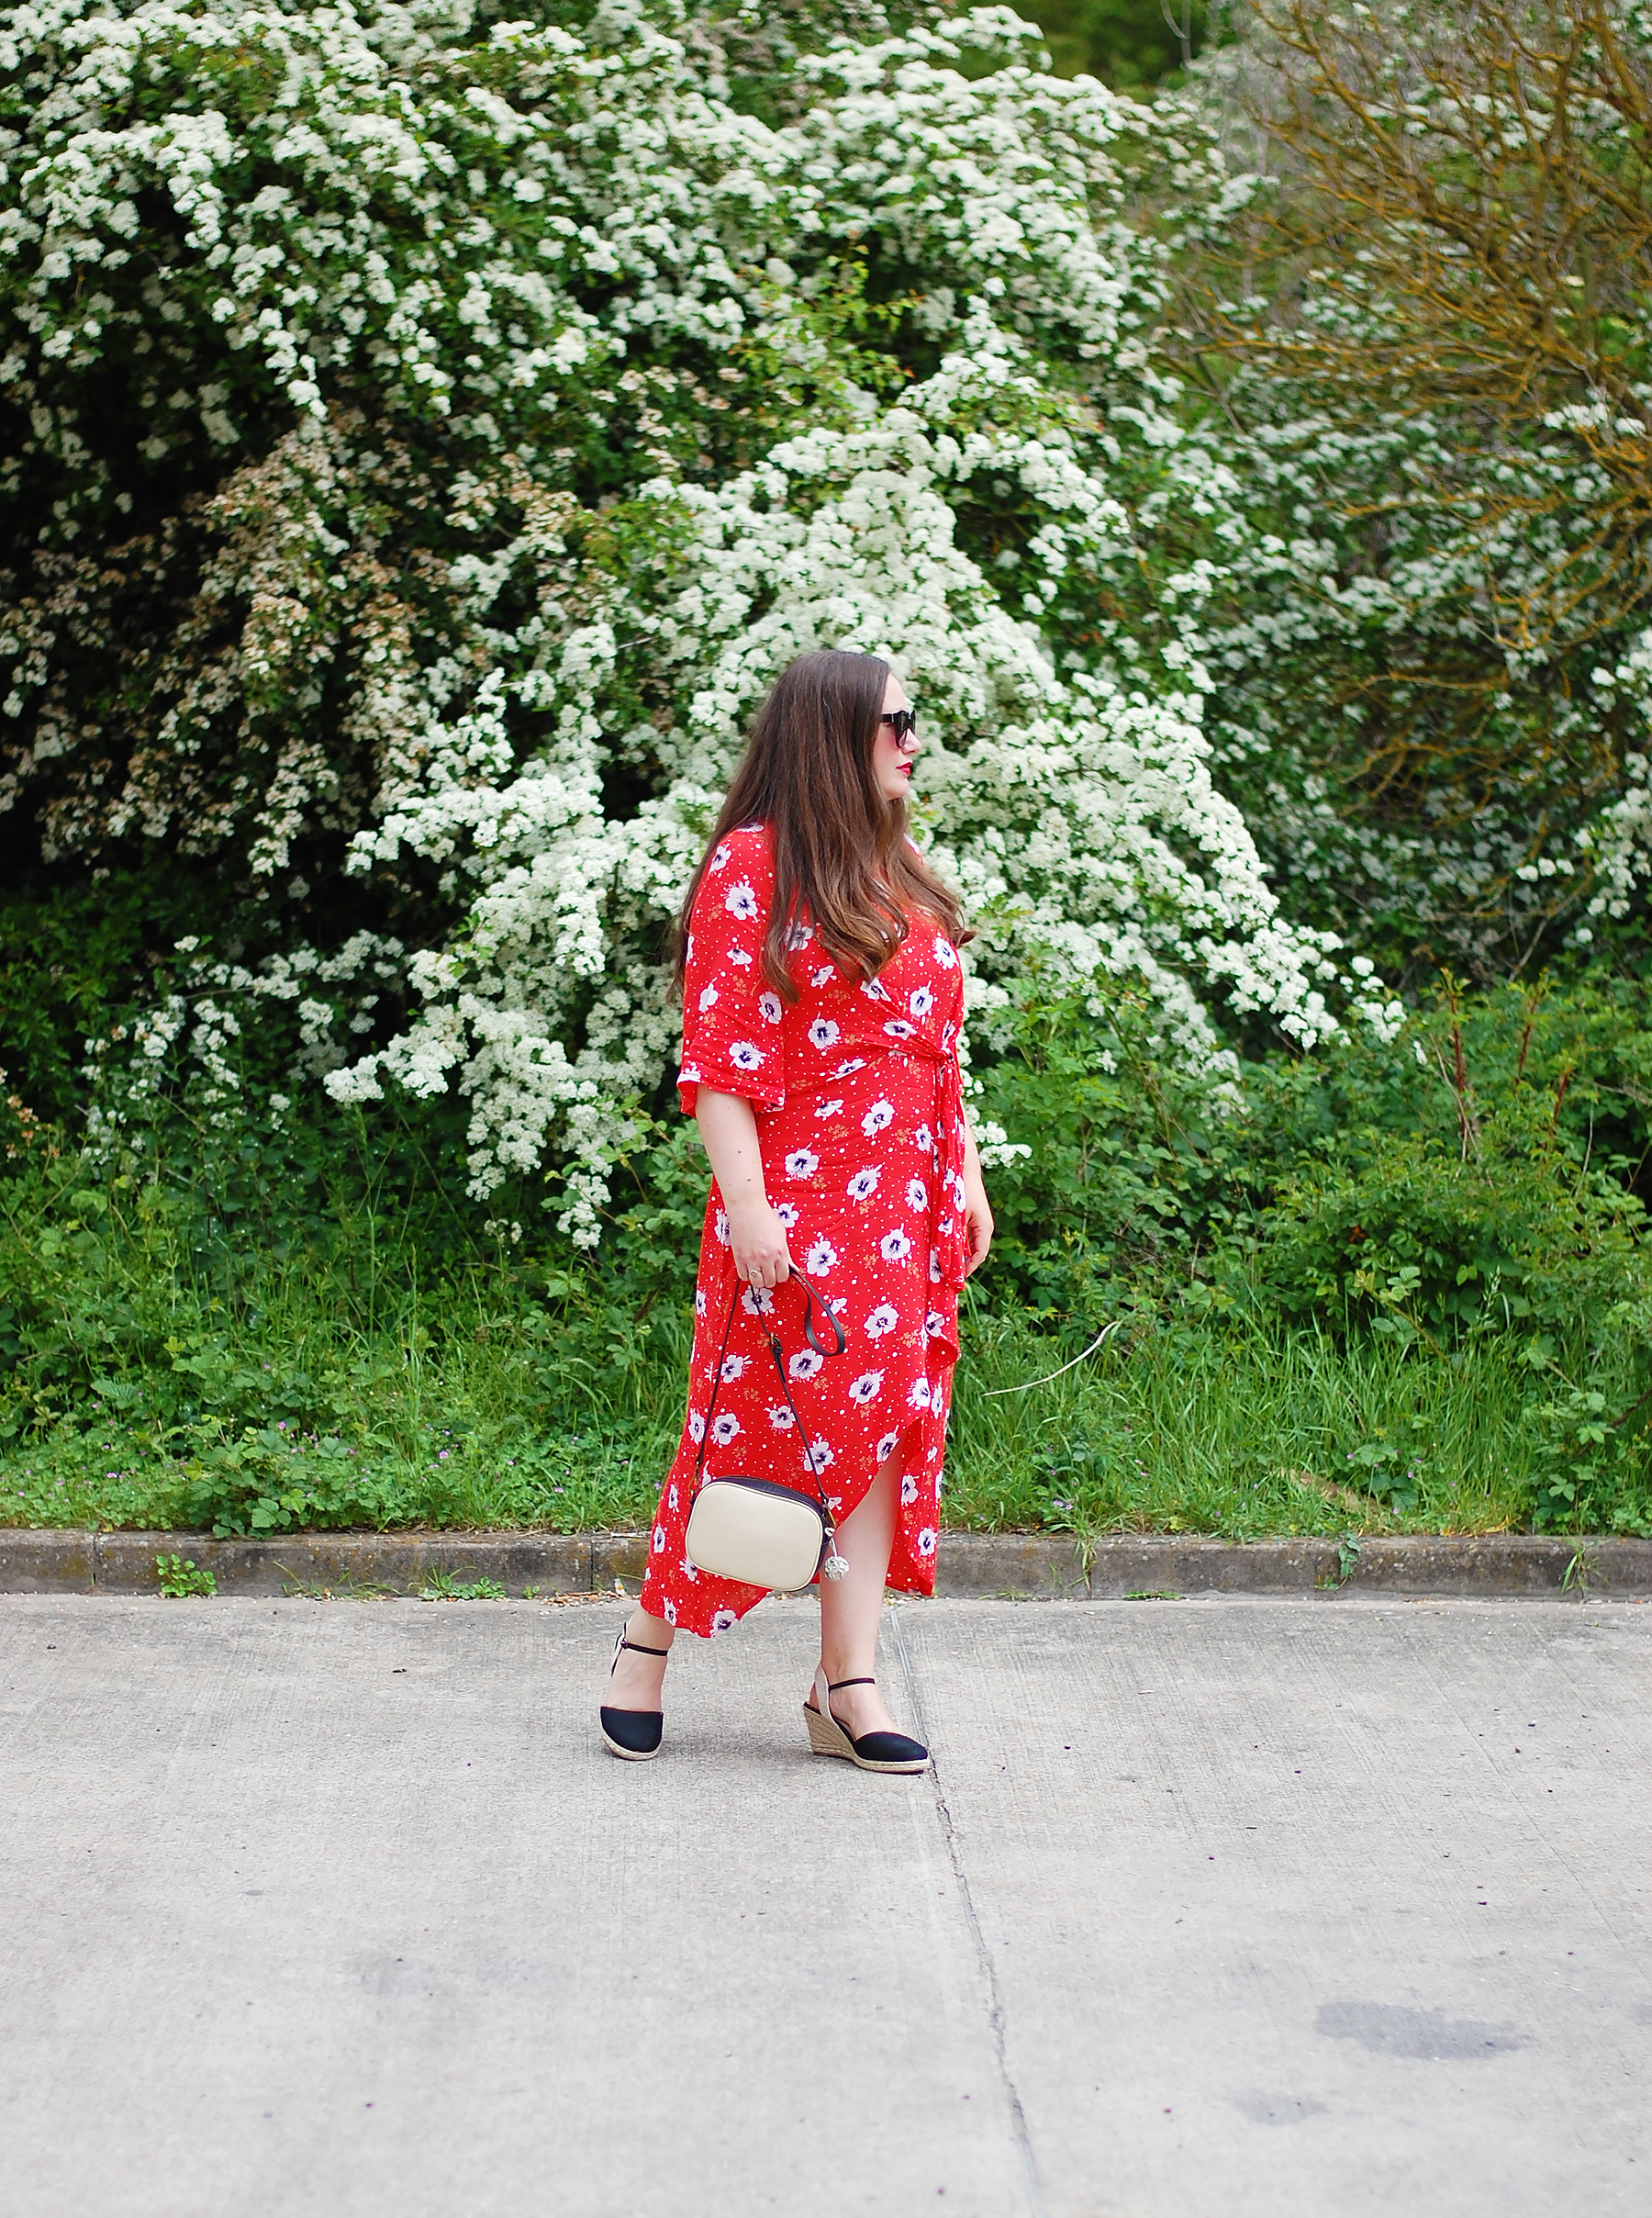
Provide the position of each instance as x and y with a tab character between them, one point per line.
648	1631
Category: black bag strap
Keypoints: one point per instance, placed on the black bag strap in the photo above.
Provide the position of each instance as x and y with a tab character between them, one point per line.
812	1303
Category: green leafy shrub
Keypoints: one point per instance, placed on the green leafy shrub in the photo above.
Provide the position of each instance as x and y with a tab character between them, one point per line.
1308	1262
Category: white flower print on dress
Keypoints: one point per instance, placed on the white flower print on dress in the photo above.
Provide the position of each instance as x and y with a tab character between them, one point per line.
699	1301
770	1008
884	1318
898	1028
781	1417
689	1075
756	1301
799	936
909	1488
946	955
873	991
723	1621
741	956
934	1324
744	1056
934	1266
823	1033
894	1246
920	1395
669	1612
878	1118
821	1258
867	1388
733	1367
886	1446
921	1001
725	1427
829	1108
709	997
720	1227
671	1497
659	1539
720	861
805	1363
926	1541
824	1455
864	1184
801	1164
741	902
696	1426
824	977
786	1215
923	1139
917	1194
856	1063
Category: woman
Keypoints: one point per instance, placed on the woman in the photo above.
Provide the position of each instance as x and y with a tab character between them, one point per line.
823	999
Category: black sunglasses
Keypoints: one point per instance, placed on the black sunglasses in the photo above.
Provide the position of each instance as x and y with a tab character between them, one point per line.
900	721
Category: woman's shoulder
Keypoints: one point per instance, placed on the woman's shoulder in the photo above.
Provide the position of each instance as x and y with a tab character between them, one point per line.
748	849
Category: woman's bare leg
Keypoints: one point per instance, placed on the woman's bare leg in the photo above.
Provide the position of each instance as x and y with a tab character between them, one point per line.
850	1607
637	1680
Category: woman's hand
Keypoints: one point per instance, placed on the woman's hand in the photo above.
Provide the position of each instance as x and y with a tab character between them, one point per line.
977	1210
758	1239
977	1223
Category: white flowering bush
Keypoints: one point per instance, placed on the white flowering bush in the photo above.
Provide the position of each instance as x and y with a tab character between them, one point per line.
431	433
1428	294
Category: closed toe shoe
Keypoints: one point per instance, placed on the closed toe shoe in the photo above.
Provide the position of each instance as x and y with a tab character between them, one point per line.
635	1734
828	1736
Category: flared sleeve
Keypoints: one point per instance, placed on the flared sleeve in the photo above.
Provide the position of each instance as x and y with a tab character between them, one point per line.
732	1016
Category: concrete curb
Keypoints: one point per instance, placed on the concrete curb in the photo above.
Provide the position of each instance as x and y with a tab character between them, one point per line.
1012	1564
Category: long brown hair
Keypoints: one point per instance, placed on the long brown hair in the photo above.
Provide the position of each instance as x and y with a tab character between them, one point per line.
842	856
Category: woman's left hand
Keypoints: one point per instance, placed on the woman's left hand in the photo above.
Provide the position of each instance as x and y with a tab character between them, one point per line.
977	1223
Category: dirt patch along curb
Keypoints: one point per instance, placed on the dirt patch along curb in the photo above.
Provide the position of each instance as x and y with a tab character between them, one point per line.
43	1560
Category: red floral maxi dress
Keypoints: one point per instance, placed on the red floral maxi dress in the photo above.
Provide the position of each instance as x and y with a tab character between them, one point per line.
859	1106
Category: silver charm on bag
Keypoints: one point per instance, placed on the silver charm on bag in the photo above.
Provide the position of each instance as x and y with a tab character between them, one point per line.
833	1565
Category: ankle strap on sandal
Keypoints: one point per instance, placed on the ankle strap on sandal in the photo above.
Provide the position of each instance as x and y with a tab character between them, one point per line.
637	1648
833	1685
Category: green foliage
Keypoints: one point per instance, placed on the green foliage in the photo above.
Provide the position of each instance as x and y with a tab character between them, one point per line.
441	1586
1467	1185
1395	1285
180	1578
73	958
1242	1427
1421	347
1128	43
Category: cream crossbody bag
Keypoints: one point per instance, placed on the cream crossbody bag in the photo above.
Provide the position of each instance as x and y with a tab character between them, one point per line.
756	1531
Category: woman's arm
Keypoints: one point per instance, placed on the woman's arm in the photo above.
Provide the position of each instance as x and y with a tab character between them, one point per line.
729	1130
977	1212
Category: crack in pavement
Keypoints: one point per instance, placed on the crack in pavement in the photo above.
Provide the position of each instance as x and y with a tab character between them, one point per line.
995	2008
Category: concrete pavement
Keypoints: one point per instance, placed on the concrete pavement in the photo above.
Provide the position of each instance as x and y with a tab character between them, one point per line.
1215	1909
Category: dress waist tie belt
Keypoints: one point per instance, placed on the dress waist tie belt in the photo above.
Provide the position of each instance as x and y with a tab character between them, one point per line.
949	1243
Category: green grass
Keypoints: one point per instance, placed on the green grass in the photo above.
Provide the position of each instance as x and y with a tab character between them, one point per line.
479	1411
1241	1430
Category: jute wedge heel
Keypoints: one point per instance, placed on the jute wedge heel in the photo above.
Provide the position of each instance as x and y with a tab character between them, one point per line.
828	1736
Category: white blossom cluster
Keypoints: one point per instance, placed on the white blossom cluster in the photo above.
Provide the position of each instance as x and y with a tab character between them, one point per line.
1429	687
1074	811
522	408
